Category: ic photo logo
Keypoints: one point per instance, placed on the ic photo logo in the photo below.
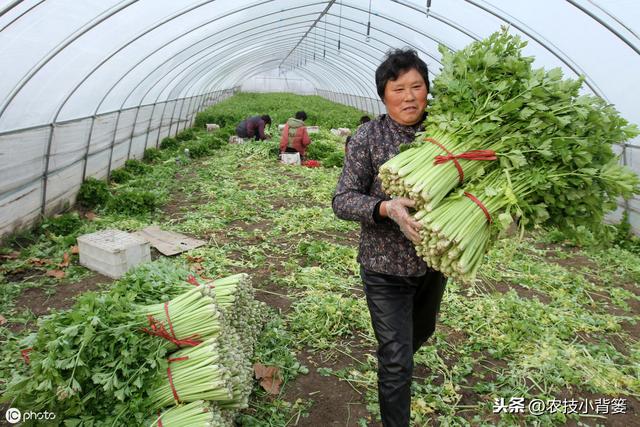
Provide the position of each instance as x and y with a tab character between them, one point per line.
13	415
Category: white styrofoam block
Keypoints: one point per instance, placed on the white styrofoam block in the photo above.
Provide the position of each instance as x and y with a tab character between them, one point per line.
313	129
112	252
211	127
290	158
233	139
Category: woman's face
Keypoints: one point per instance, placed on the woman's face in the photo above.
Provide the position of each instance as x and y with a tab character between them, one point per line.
406	97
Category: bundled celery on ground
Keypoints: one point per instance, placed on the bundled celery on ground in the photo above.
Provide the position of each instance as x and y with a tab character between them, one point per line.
104	357
201	372
235	296
186	320
195	414
494	117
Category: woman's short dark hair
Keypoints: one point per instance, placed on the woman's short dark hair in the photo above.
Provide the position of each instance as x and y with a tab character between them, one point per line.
397	62
364	119
301	115
266	118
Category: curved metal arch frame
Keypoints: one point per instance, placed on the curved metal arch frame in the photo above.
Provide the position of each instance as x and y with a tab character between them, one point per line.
17	18
180	13
500	14
220	71
215	82
316	73
150	73
374	65
188	90
495	14
202	55
306	71
158	97
128	71
383	43
139	36
60	47
606	25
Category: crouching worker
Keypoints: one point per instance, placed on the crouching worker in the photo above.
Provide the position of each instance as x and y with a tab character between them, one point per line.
295	138
253	127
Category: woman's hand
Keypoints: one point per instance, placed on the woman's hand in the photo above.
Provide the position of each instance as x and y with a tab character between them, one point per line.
397	210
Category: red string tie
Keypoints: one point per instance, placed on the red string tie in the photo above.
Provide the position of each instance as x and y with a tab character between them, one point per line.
192	279
468	155
173	389
453	157
25	354
479	203
157	329
160	420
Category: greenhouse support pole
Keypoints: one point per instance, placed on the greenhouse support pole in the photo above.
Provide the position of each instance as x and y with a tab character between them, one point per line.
180	115
45	176
201	102
624	163
189	115
196	109
173	113
187	112
160	126
86	151
191	110
133	130
113	144
205	99
146	139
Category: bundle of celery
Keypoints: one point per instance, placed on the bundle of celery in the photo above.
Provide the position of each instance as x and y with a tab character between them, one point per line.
213	371
195	414
96	359
201	372
455	244
494	117
491	110
235	297
457	233
186	320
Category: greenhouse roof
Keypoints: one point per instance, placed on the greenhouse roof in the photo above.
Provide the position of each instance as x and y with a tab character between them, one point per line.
65	59
87	85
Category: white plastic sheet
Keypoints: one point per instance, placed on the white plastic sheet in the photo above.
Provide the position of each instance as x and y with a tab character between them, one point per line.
158	61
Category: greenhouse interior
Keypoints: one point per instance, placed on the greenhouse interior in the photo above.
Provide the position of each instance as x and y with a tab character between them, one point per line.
318	213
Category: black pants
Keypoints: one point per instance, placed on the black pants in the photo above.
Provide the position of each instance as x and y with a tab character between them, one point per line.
403	314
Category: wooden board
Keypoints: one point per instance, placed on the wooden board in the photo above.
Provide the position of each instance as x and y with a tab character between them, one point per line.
168	242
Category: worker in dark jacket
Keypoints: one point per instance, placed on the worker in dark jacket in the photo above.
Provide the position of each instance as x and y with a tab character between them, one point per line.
253	127
403	293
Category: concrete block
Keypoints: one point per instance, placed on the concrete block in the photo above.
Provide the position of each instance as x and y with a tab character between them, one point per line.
112	252
313	129
233	139
212	127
